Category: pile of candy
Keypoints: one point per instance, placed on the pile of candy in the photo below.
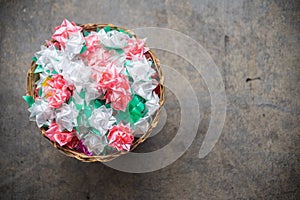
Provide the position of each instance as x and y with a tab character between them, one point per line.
96	90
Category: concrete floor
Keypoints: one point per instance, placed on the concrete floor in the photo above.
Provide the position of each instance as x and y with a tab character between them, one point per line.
257	155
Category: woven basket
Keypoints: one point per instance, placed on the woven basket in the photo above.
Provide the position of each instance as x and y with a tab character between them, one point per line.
32	78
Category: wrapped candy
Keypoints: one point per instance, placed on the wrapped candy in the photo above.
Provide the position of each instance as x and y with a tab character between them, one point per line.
95	91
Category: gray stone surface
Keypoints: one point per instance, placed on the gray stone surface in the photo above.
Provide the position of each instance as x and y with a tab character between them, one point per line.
257	155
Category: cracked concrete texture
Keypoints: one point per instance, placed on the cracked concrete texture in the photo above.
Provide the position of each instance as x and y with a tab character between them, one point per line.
256	47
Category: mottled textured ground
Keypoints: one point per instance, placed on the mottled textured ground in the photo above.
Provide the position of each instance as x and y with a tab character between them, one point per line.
257	155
